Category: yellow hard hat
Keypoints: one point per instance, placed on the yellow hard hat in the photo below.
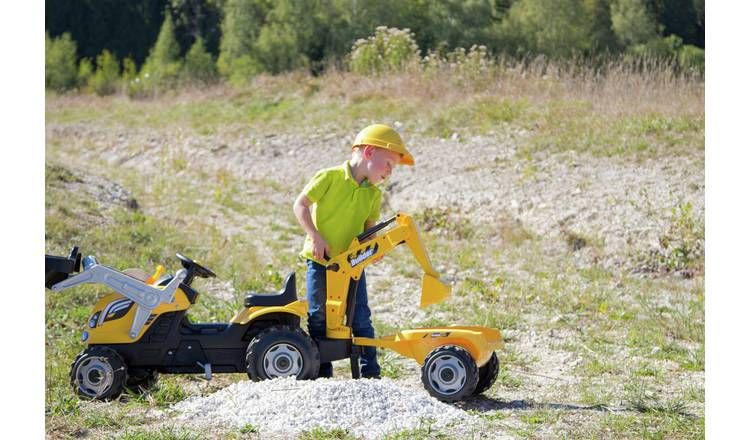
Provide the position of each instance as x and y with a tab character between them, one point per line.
383	136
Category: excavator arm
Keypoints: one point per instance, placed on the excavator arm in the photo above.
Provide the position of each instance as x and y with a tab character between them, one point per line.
366	249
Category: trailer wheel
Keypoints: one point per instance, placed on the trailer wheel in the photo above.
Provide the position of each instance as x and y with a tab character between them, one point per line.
282	351
98	373
487	375
141	379
449	373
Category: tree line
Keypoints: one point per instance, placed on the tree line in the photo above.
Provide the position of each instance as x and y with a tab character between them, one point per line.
236	39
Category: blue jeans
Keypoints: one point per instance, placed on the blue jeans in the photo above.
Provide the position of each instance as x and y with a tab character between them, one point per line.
361	325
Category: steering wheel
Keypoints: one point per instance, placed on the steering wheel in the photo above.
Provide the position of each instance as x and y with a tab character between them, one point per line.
200	271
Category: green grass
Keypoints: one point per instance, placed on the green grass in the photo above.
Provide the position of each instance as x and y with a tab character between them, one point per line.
326	434
165	433
425	431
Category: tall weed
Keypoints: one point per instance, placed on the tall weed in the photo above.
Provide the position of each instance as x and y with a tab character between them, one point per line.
389	50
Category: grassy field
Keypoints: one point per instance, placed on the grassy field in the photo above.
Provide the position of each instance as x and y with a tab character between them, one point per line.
593	351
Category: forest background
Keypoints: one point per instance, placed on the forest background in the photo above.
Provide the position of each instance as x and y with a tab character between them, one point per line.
142	46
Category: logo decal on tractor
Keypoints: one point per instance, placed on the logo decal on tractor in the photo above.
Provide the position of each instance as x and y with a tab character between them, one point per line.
117	309
362	255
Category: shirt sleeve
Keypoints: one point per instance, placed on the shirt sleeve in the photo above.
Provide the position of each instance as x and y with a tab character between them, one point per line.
317	187
375	210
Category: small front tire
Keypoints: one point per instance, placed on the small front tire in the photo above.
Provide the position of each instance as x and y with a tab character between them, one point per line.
98	373
449	373
282	351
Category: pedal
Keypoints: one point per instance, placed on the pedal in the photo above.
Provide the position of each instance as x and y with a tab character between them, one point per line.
206	370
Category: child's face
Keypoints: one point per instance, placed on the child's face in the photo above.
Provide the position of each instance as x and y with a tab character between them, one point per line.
380	163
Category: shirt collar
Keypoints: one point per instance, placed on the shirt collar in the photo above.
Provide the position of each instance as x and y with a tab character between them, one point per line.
348	176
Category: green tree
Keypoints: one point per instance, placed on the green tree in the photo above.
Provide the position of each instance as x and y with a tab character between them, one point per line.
603	37
107	75
277	48
290	35
556	29
199	64
457	23
240	28
164	58
60	71
633	23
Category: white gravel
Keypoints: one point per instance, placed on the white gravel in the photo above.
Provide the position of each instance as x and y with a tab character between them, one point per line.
366	408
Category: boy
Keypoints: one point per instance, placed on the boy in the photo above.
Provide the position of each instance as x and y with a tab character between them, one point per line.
347	202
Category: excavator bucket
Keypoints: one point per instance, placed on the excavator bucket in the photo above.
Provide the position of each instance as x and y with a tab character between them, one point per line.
433	290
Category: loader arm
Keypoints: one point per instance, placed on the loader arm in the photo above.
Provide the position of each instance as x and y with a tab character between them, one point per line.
364	250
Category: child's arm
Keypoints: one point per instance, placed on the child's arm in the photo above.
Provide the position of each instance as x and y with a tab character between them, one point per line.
304	217
368	225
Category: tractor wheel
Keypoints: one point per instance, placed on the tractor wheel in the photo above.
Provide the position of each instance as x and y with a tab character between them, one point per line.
487	375
282	351
449	373
141	379
98	373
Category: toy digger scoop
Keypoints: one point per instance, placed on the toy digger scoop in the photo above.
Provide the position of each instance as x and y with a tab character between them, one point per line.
433	290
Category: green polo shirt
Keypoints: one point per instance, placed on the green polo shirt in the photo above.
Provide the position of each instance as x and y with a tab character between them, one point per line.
341	208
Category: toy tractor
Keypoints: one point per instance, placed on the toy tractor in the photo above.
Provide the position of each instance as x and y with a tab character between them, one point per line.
142	329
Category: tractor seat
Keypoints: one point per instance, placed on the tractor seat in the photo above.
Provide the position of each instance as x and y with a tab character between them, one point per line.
286	296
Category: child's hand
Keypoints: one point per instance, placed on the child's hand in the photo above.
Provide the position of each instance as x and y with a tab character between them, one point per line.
320	247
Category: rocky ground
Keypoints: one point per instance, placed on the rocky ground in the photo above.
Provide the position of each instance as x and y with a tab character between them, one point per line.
580	211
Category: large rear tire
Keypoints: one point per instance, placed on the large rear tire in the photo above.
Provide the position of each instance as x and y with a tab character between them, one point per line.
487	374
141	379
449	373
282	351
98	373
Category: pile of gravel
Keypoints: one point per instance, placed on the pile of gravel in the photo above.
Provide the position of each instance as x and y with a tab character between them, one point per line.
366	408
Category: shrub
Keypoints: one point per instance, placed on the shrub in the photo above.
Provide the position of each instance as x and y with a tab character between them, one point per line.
243	69
686	57
60	72
199	65
666	47
129	70
389	50
691	58
85	71
107	76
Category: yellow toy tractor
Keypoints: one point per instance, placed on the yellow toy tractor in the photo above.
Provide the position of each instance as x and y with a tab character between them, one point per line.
142	329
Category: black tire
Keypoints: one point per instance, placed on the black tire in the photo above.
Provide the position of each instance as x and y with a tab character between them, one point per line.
449	373
487	375
141	379
281	351
98	373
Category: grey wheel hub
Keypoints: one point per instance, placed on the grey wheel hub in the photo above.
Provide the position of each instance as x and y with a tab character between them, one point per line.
447	374
282	360
94	376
